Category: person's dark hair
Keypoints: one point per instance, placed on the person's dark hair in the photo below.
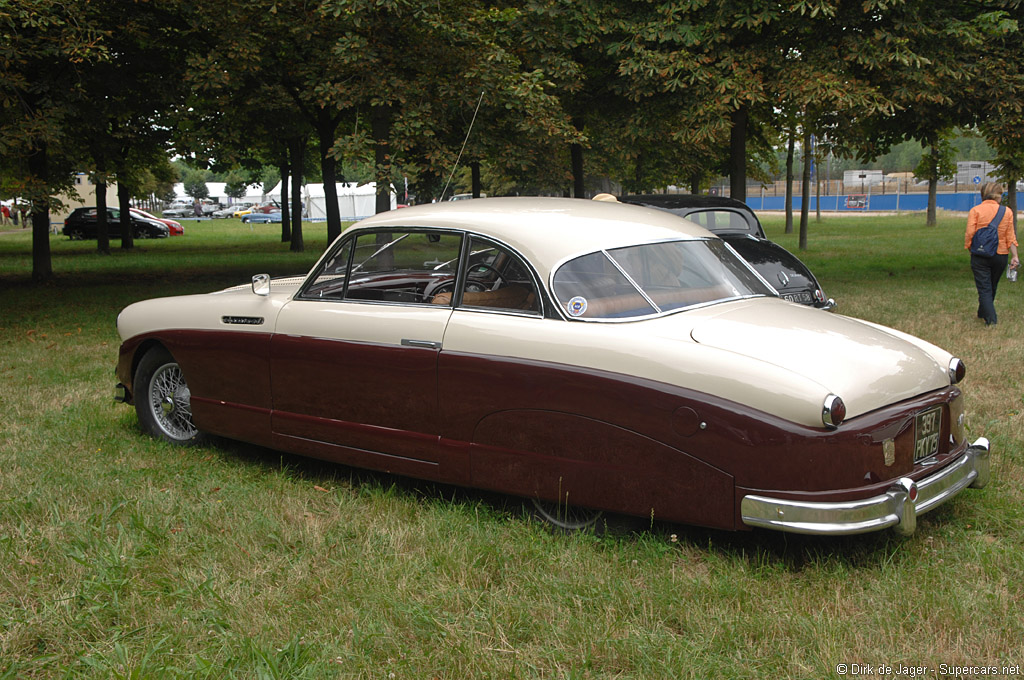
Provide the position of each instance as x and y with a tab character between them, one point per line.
991	191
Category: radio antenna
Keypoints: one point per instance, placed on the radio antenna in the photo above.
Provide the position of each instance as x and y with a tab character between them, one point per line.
464	142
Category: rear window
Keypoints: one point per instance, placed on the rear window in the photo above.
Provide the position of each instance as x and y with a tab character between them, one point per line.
649	279
722	220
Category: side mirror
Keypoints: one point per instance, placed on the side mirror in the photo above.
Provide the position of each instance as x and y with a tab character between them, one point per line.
261	284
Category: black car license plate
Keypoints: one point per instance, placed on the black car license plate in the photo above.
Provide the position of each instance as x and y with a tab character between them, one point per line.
926	437
802	297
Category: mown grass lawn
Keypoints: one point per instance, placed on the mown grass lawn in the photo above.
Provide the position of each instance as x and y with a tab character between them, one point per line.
121	556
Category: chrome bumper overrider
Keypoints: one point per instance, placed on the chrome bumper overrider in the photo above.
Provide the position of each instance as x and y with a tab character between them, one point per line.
897	508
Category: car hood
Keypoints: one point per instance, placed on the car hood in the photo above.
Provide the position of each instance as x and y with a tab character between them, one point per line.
868	366
236	309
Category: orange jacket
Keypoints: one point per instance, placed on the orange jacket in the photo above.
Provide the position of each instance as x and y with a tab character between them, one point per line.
979	218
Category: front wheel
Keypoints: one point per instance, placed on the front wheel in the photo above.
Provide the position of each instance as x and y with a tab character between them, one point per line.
163	401
566	517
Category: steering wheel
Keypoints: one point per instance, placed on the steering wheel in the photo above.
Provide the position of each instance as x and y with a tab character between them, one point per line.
478	286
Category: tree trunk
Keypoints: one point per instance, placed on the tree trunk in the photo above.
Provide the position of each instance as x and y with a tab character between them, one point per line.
286	221
805	190
738	154
42	266
474	169
124	204
933	184
102	226
380	128
790	153
1011	200
695	179
817	194
326	125
576	159
296	147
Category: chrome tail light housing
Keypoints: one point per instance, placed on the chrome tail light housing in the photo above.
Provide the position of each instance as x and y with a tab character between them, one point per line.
833	412
957	370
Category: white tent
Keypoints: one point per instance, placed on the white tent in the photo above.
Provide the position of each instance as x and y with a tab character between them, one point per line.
215	189
355	201
253	193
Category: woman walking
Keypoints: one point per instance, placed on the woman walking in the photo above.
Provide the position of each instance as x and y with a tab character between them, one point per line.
990	237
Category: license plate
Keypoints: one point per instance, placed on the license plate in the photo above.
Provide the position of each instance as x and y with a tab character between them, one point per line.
926	437
803	298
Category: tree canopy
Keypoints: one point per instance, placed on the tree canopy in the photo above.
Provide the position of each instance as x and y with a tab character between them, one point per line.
547	96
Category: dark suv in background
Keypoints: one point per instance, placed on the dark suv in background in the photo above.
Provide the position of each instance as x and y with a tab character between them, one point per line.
736	224
81	224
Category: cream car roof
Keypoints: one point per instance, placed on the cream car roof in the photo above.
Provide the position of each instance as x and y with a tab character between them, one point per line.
547	231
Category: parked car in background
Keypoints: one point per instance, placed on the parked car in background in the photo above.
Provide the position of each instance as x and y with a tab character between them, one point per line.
82	224
242	210
261	217
179	211
174	228
182	209
575	353
269	207
735	223
230	210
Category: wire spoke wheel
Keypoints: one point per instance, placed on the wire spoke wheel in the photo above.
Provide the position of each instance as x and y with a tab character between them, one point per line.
564	516
171	402
163	399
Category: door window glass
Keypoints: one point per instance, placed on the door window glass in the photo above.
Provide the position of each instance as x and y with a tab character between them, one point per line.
329	283
497	279
395	266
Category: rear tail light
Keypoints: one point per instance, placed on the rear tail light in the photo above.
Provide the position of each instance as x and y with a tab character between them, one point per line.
833	412
957	370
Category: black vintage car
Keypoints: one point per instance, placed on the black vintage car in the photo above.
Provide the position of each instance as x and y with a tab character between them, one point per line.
81	224
737	225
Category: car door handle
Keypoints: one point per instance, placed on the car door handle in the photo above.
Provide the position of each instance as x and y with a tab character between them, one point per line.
428	344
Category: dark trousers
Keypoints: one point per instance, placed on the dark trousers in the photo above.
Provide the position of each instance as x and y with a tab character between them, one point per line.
987	272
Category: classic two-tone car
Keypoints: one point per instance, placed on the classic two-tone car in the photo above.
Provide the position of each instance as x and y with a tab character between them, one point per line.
580	354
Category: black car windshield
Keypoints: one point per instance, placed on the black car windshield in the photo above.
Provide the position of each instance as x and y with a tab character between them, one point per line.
644	280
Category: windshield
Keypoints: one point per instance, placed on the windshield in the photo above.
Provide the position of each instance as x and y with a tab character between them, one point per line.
650	279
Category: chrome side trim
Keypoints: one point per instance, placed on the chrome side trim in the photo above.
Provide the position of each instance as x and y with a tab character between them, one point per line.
428	344
894	508
242	320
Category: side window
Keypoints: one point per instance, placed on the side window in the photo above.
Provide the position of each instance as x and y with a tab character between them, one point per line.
398	266
329	283
497	279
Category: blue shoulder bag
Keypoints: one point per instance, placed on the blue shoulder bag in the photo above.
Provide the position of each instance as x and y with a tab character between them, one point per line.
986	240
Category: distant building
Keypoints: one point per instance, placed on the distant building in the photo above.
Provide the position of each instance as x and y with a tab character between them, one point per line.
86	196
855	180
970	173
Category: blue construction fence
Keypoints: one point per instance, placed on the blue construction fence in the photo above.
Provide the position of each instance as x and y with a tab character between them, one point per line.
958	202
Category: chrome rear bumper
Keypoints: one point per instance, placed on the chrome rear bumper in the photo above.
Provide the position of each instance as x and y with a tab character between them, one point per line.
897	508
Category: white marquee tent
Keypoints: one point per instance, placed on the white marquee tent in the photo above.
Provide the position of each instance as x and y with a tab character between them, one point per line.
355	201
216	189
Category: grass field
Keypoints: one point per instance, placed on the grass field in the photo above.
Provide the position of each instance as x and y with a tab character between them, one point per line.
122	557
